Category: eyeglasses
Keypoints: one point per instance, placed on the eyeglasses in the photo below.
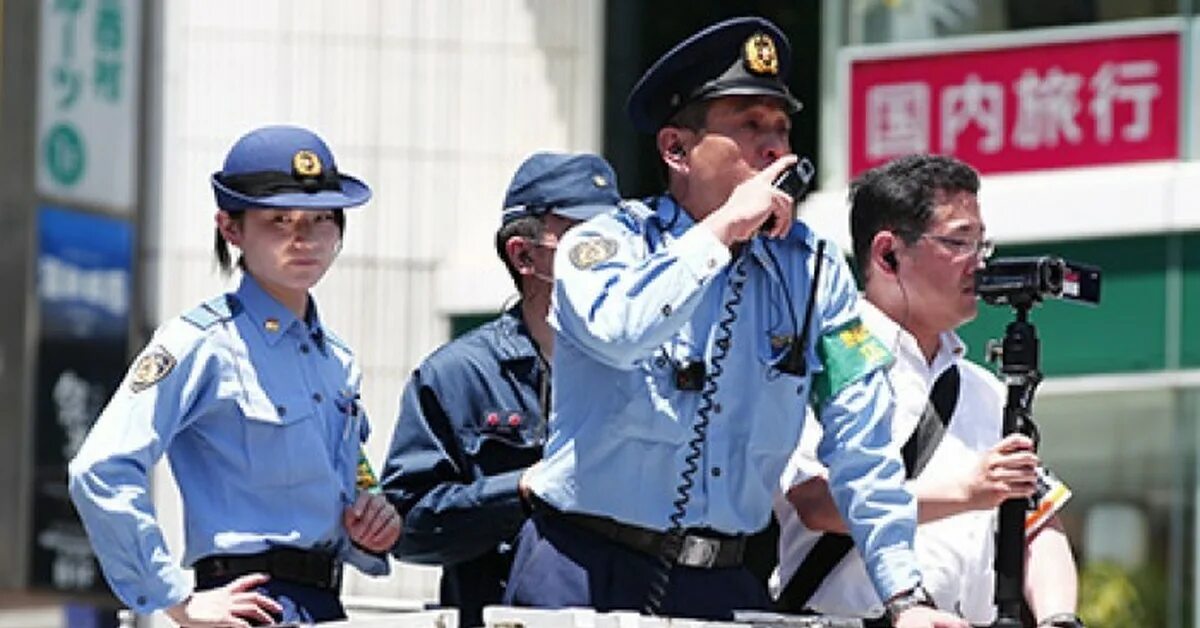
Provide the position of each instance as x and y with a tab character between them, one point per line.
981	249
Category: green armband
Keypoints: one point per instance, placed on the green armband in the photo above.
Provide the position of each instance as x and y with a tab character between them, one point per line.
848	352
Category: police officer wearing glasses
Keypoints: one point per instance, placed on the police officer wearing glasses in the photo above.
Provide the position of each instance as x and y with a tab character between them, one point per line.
692	331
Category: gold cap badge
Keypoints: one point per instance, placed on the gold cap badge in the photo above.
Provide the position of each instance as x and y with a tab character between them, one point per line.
759	53
599	180
306	163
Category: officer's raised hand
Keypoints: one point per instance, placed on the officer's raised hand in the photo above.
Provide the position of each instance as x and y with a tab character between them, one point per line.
235	605
750	205
372	522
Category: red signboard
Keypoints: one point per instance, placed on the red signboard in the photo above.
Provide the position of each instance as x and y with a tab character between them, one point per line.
1030	107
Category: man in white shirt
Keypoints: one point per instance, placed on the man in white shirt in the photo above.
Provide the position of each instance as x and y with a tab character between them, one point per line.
918	239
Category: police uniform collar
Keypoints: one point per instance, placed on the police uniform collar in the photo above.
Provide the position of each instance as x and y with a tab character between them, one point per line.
513	340
671	215
269	316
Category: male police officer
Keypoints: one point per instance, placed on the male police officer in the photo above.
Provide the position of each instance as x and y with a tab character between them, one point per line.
472	418
918	239
687	345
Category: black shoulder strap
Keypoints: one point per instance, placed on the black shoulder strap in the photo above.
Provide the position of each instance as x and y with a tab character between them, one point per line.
929	431
832	547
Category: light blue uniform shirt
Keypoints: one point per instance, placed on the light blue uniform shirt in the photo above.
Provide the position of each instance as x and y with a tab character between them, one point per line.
640	292
258	415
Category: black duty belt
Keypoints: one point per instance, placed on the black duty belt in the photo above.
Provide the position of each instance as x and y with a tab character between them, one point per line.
701	549
307	567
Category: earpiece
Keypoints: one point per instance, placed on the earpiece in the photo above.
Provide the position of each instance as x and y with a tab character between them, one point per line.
890	258
525	258
677	150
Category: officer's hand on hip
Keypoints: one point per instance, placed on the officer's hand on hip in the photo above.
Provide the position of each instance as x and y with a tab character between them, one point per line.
1006	471
372	522
925	617
752	202
235	605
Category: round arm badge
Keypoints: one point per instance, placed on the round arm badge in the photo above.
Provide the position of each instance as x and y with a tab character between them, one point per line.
154	365
592	251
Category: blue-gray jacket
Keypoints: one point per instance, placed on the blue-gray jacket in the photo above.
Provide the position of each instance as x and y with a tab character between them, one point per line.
470	423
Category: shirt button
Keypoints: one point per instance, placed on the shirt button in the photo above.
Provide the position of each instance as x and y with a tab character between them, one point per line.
712	263
666	310
141	600
317	397
717	408
716	472
304	348
281	410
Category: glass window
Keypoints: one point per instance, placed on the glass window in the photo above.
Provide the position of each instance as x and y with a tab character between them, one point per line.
884	21
1128	457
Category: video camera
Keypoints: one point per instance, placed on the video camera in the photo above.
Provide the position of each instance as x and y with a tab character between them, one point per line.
1027	280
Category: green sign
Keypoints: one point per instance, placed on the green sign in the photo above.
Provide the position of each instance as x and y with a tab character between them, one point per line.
63	150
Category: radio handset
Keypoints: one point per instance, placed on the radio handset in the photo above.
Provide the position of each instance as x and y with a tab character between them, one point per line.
795	182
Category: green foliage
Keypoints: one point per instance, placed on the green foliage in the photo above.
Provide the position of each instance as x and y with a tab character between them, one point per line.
1111	596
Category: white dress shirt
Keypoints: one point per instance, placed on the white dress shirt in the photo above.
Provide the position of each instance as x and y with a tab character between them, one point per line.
955	553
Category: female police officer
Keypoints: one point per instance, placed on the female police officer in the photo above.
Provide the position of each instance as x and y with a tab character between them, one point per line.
255	404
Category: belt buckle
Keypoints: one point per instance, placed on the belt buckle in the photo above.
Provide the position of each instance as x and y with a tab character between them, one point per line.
697	551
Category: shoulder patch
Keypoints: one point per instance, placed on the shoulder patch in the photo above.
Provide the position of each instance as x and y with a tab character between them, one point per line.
849	352
587	253
213	311
154	365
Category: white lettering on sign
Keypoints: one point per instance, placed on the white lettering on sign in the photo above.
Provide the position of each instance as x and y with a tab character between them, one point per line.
1048	112
974	102
897	120
1126	83
107	289
1046	108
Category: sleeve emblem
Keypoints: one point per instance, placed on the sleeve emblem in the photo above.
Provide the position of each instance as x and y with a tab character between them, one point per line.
592	251
154	365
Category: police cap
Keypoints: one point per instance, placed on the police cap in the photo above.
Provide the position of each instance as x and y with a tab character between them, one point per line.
575	186
745	56
284	167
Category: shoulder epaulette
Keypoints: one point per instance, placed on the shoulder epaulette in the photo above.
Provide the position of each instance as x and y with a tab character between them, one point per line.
213	311
337	342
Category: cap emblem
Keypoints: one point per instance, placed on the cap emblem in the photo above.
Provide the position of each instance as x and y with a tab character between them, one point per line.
306	163
759	53
599	181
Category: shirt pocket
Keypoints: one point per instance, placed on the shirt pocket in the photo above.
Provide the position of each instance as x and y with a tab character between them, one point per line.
285	442
505	440
657	399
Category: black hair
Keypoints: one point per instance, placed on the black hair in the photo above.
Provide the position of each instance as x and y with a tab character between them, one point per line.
529	227
221	246
900	195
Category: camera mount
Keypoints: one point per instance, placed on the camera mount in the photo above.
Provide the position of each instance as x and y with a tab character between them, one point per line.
1019	363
